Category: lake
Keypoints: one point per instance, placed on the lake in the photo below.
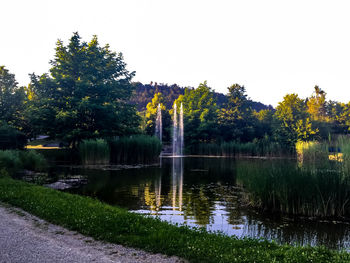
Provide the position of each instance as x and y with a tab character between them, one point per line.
206	192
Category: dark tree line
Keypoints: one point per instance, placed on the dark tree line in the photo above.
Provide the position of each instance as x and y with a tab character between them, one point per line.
88	93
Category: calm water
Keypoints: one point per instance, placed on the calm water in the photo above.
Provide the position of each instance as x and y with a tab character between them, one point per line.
204	192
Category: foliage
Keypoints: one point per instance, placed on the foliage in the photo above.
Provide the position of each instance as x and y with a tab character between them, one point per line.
200	115
10	138
316	105
151	115
11	99
112	224
293	122
312	151
14	160
86	94
137	149
94	152
145	92
236	117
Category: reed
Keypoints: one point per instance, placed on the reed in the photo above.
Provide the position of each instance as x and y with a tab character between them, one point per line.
312	151
297	190
237	149
137	149
94	152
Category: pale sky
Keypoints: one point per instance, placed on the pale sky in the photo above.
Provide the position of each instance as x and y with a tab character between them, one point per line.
271	47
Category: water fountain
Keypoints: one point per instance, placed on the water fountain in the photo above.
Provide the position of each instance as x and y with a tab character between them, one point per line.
159	124
175	131
178	132
181	130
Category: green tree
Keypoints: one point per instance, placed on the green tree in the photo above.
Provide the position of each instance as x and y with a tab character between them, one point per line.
200	115
316	105
263	123
151	115
11	99
86	94
293	121
236	118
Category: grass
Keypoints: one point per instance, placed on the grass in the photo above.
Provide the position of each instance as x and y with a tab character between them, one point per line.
236	149
104	222
135	149
94	152
306	190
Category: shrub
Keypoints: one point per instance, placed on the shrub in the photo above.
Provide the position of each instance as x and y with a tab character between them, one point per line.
10	138
13	160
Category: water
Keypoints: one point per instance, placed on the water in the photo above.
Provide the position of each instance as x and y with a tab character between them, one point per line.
159	124
205	192
178	132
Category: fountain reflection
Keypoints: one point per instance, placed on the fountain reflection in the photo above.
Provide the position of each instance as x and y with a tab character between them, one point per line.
177	183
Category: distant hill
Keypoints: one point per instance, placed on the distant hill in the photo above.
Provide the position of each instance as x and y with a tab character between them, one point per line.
144	93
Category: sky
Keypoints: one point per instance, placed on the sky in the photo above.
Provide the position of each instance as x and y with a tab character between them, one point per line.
271	47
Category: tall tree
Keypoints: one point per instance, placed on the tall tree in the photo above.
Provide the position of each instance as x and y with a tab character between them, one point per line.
293	121
86	94
11	99
200	115
316	105
151	115
236	118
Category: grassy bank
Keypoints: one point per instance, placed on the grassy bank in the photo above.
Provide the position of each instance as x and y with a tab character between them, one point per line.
104	222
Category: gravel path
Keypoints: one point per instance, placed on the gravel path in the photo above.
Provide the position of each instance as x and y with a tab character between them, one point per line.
26	238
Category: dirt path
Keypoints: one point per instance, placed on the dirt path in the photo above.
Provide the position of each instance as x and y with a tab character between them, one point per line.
26	238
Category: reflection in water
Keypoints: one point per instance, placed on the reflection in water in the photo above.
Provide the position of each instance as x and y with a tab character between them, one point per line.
177	182
204	192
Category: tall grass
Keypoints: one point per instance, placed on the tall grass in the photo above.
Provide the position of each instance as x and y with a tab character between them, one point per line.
11	161
312	151
94	152
135	149
234	149
297	190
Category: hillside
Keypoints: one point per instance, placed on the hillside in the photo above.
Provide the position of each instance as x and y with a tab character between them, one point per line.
144	93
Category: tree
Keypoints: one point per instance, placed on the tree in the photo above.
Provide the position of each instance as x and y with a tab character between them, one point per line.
86	94
11	99
200	115
151	114
236	118
316	105
293	121
263	123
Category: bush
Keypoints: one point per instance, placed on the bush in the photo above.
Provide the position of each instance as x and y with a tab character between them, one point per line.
10	138
32	160
13	160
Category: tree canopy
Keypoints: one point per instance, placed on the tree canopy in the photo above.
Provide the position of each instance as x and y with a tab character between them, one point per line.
11	99
86	93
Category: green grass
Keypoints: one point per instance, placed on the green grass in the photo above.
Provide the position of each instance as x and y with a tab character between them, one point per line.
104	222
